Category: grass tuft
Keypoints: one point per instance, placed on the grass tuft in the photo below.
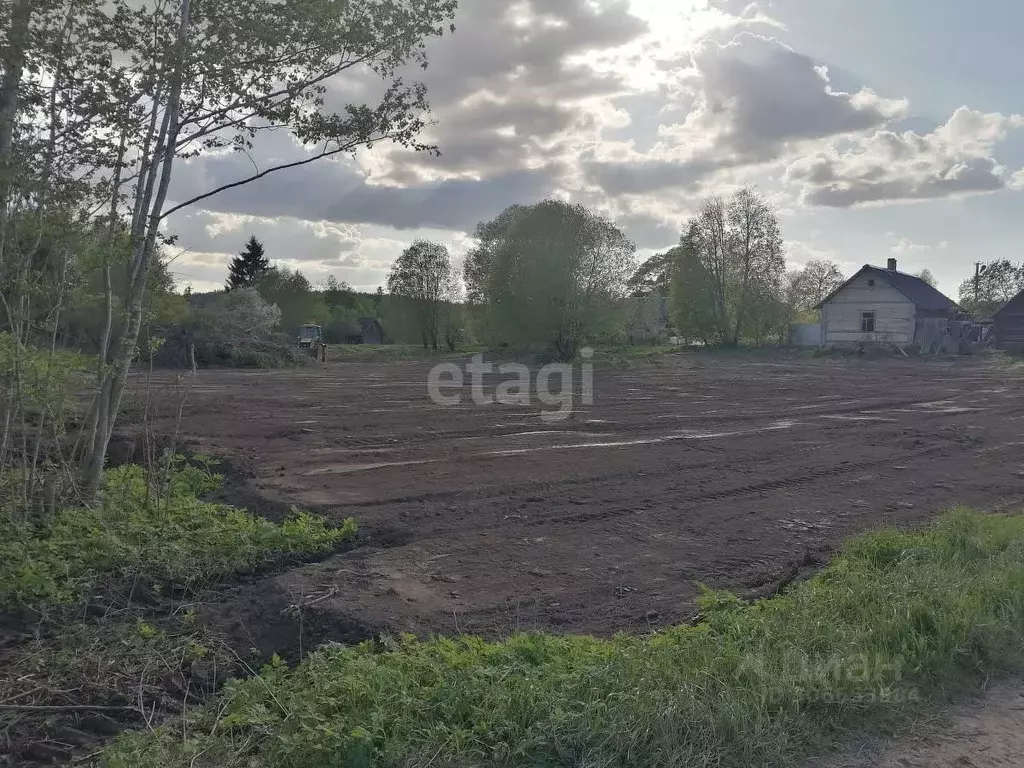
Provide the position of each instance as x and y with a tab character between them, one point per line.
896	622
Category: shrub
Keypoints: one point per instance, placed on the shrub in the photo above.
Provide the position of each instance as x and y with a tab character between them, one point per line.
235	329
896	620
164	534
41	381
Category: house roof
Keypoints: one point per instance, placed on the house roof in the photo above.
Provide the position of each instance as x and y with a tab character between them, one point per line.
914	288
1017	302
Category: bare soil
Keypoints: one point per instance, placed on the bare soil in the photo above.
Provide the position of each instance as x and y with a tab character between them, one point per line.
734	471
987	733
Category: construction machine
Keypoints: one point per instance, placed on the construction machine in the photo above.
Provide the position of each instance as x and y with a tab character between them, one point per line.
311	338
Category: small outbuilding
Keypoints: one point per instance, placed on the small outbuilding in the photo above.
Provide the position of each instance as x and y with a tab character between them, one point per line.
882	306
1008	326
370	332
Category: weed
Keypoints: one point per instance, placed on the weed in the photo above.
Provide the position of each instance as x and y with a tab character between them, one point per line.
163	536
895	622
132	669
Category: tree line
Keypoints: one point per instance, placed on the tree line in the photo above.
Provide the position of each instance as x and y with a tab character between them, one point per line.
553	276
556	275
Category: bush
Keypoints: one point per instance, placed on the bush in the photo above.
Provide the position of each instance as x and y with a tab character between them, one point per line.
161	533
47	381
235	329
896	620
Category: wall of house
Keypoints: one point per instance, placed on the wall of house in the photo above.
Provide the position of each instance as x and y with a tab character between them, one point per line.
894	314
1009	325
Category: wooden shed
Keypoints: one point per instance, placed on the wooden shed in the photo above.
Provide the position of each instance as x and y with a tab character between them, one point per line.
370	332
1008	327
881	306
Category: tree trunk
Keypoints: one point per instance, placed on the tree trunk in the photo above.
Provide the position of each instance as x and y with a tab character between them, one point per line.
10	86
145	227
10	92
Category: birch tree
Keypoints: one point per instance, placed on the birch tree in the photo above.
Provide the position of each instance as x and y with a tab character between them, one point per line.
212	74
757	262
51	155
424	277
811	285
129	88
739	269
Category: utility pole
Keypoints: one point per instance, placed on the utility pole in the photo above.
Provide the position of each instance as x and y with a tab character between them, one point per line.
979	270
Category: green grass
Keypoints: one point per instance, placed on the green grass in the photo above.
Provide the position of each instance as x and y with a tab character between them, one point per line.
369	353
625	356
606	355
895	623
166	536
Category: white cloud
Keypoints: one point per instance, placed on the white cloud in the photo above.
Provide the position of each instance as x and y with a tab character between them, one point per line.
635	108
799	253
905	245
953	160
754	100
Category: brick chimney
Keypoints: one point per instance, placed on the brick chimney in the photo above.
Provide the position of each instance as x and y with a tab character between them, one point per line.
892	265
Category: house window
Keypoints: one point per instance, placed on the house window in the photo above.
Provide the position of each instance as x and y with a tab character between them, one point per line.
871	283
867	322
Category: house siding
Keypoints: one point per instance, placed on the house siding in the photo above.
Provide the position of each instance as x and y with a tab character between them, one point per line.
1008	326
894	313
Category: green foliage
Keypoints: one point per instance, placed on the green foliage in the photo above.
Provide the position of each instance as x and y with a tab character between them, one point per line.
85	316
345	311
248	267
810	286
896	621
291	292
235	329
41	380
729	278
626	356
693	298
999	281
157	531
654	276
551	274
425	281
38	396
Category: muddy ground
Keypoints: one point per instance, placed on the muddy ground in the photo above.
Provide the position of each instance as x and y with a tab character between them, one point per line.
984	733
734	471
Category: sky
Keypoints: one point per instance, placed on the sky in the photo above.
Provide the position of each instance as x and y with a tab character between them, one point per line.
877	129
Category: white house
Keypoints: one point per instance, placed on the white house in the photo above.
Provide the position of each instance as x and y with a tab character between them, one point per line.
881	306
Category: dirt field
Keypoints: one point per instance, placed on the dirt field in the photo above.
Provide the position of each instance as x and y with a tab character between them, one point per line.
738	472
986	733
